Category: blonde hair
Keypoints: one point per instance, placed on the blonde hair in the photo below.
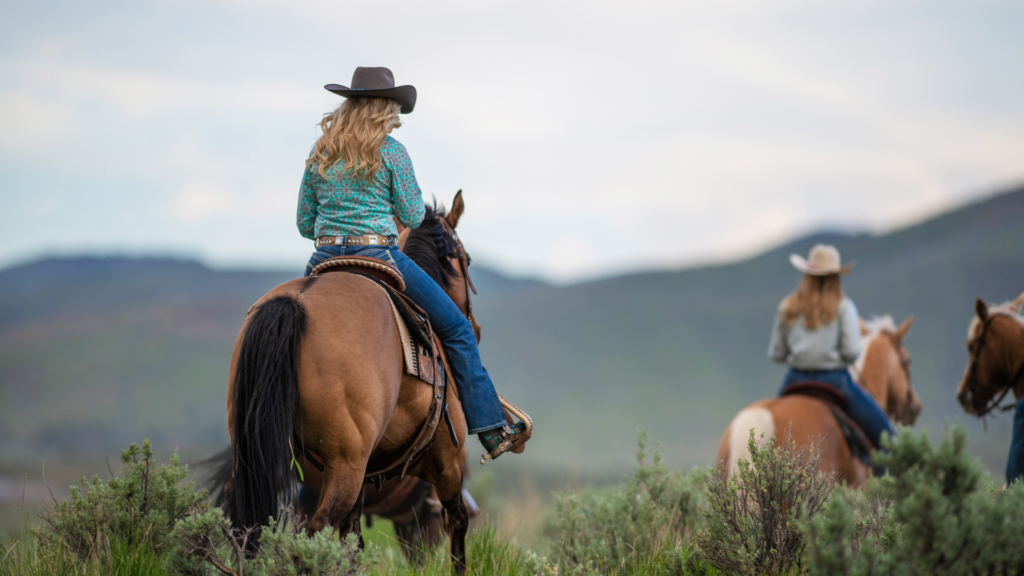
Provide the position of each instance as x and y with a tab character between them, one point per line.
354	132
816	298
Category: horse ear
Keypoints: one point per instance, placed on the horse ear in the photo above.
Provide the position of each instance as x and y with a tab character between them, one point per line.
982	309
863	327
1015	305
458	207
901	332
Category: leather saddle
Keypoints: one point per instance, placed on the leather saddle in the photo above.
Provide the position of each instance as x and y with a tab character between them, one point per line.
860	446
424	356
384	271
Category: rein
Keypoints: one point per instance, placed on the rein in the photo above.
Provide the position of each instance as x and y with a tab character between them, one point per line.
464	262
973	367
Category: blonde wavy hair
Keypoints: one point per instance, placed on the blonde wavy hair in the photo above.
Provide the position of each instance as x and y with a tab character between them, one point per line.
354	133
816	298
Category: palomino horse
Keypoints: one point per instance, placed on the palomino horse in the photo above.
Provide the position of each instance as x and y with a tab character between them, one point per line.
884	367
319	360
995	341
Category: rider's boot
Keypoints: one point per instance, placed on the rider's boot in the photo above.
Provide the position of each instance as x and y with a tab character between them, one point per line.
501	440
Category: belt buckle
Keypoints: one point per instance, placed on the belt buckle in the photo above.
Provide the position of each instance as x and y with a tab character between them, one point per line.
338	241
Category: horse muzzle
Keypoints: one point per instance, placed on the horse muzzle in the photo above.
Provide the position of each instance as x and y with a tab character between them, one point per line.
966	399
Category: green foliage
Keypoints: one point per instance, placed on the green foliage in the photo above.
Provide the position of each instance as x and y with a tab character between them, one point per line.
751	521
138	508
851	533
935	513
487	552
26	555
944	517
206	541
653	511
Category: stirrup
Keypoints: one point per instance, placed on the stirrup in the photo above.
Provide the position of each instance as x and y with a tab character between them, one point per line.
507	436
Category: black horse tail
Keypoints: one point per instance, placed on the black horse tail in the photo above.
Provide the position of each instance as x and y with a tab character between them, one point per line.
265	405
213	474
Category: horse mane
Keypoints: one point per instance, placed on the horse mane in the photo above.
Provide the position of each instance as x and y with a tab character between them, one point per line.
1004	309
878	324
431	248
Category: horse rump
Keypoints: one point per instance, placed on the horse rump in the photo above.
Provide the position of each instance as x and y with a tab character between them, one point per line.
265	403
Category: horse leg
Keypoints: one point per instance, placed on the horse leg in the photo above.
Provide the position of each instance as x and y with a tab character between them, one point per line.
409	536
341	503
351	521
432	520
457	518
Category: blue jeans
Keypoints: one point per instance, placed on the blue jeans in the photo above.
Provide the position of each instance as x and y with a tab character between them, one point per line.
476	392
863	408
1015	463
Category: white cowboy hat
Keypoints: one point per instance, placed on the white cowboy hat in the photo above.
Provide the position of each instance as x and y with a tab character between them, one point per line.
822	261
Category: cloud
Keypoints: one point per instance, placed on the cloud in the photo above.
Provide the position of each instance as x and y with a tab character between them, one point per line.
200	201
716	128
29	121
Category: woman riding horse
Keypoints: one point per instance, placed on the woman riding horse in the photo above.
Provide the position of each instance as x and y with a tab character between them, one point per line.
358	181
817	334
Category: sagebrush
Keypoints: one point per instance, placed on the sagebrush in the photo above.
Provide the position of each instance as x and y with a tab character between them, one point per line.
751	520
207	540
934	513
653	512
137	507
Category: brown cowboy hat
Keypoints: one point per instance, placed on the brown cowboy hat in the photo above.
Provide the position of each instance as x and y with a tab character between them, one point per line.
379	82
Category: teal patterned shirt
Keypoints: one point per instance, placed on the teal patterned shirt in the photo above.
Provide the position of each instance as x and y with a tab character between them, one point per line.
341	205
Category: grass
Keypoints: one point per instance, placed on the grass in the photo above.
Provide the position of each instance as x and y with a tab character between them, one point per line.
23	555
490	552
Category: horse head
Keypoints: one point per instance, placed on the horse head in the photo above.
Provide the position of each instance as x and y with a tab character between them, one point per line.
993	336
436	248
884	369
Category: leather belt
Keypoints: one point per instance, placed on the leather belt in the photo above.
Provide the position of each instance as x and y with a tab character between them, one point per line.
365	240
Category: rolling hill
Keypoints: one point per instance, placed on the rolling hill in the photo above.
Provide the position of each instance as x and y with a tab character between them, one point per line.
99	352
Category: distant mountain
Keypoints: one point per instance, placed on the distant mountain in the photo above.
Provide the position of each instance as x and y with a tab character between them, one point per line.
98	352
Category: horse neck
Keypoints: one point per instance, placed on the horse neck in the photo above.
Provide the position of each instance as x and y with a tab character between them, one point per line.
876	371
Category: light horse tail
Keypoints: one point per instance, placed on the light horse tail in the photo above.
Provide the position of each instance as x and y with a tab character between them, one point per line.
735	441
265	404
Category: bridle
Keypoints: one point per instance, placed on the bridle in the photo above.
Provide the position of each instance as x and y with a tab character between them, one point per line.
972	367
464	262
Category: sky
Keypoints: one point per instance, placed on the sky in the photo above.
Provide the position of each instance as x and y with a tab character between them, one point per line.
590	138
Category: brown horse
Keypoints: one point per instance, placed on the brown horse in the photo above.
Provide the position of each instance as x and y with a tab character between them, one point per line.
318	367
995	342
884	368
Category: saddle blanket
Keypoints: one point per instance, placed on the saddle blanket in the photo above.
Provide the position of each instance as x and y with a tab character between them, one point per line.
418	360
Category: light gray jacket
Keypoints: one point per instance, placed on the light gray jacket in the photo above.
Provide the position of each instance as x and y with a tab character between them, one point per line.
832	346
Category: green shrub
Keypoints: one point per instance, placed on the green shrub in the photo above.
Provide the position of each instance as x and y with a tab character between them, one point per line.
137	508
206	541
750	524
855	528
944	517
652	512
